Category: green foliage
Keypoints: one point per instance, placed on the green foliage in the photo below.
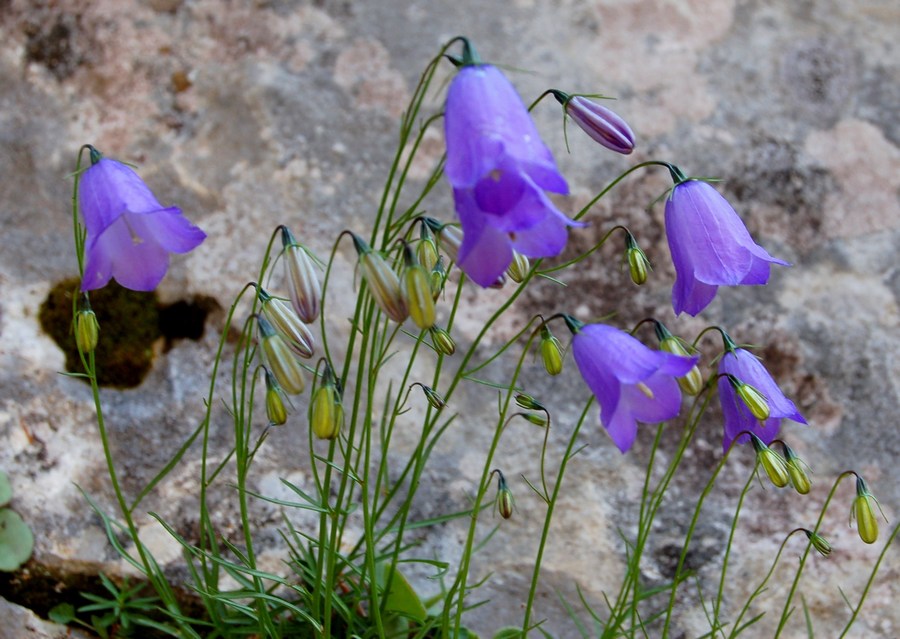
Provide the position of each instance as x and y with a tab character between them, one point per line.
16	539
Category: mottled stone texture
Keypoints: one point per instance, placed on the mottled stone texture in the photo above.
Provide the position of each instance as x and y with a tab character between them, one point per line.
249	114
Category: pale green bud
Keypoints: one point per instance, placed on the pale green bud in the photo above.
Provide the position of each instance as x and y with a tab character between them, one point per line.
87	329
528	402
518	268
551	352
638	264
818	542
864	512
275	409
287	324
417	291
505	501
692	383
796	469
436	401
755	401
442	341
772	462
279	357
303	283
382	281
426	249
326	411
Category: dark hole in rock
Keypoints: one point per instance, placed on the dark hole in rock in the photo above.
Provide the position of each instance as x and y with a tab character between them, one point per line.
130	322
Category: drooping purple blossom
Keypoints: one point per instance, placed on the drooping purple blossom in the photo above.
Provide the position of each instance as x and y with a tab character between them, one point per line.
500	171
710	247
632	383
129	233
744	366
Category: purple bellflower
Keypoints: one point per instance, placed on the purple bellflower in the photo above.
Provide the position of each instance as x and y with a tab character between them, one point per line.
710	246
129	233
500	171
632	383
744	366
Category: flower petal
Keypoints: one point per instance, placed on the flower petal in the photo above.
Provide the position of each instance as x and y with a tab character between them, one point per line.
168	228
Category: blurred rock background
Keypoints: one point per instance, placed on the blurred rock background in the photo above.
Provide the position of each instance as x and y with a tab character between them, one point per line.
251	114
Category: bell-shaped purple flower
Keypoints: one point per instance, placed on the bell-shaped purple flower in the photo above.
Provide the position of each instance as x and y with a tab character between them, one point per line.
500	171
129	233
710	247
632	383
745	367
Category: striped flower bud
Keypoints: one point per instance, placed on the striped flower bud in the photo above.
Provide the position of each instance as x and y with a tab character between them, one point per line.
87	329
434	399
518	268
417	291
505	501
426	249
287	324
755	401
442	341
796	469
279	357
772	462
438	277
863	512
528	402
638	264
303	283
326	413
600	123
818	542
692	383
382	281
275	409
551	352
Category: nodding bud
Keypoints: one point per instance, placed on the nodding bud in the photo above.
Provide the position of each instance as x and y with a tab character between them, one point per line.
818	542
518	268
438	277
505	501
287	324
796	469
551	352
638	264
326	413
417	291
426	249
537	419
755	401
863	512
383	283
450	237
279	357
528	402
442	341
87	329
692	383
436	401
772	462
303	283
275	409
600	123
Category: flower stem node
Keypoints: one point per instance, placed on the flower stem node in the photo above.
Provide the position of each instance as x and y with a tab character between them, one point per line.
326	413
797	469
551	352
638	264
383	283
818	542
280	358
287	324
863	512
505	501
87	329
442	341
417	291
303	283
692	383
772	462
275	409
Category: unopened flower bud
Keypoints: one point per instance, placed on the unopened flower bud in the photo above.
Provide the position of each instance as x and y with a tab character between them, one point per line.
755	401
818	542
438	277
442	341
275	409
426	249
692	383
863	512
518	268
638	264
417	291
505	501
528	402
280	358
87	329
326	413
537	419
600	123
796	469
436	401
303	283
287	324
383	283
772	462
449	237
551	352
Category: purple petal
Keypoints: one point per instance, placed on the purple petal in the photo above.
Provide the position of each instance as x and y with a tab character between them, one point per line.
136	263
108	189
168	228
546	238
665	403
622	429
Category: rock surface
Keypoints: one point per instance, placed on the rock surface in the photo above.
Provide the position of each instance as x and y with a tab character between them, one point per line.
279	112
